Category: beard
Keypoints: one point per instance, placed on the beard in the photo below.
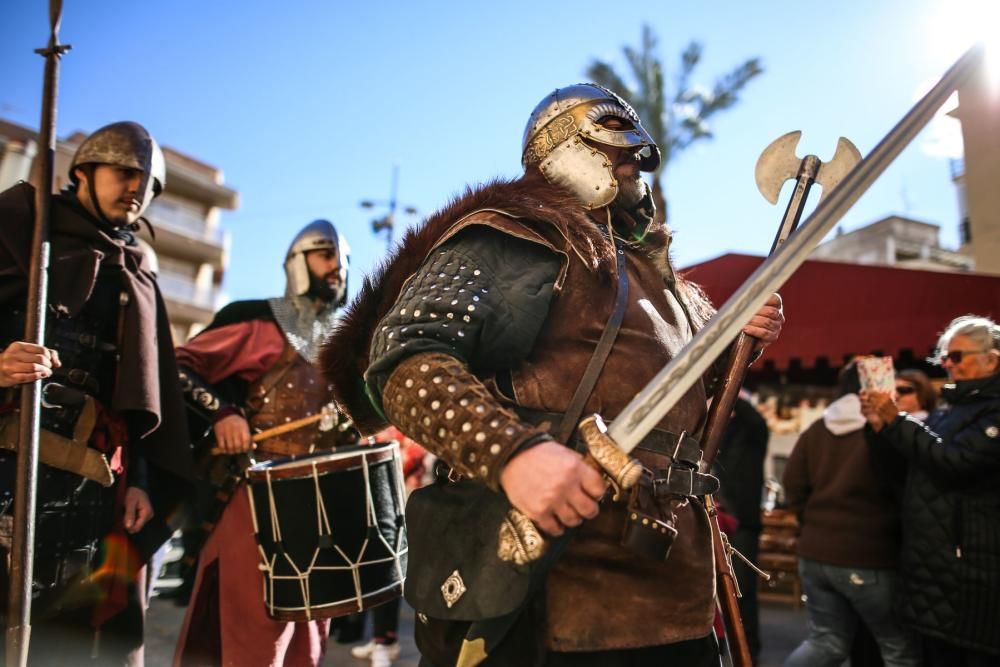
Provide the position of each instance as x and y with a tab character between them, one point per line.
322	290
631	192
635	197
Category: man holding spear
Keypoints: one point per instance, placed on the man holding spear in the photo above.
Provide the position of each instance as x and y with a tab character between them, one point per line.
111	412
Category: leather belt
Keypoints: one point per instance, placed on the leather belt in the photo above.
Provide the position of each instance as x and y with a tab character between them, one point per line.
678	481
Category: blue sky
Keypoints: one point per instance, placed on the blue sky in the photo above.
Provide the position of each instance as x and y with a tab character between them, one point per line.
307	105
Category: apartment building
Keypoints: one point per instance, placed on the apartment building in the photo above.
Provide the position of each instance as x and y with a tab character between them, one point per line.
977	176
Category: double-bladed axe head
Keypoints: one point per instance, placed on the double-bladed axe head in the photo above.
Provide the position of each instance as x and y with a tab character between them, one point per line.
778	163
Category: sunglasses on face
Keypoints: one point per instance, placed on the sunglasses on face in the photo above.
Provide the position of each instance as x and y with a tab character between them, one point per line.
903	390
956	356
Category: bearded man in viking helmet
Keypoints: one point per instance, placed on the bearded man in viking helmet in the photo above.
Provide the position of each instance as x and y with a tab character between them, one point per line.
478	338
111	412
254	368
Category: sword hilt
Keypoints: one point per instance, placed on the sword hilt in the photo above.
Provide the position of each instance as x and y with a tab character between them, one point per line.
520	540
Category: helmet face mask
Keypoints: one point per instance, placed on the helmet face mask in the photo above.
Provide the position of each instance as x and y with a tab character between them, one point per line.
565	133
124	144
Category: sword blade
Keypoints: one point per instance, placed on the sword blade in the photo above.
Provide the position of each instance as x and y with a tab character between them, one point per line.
658	397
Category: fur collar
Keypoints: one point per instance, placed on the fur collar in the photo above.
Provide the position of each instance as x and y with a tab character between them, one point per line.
551	211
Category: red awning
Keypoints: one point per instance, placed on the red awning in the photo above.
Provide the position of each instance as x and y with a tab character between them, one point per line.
835	310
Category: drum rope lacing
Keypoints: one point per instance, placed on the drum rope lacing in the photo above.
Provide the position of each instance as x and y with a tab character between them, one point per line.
323	522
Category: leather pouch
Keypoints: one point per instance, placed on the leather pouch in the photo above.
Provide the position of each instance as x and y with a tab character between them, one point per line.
649	530
454	571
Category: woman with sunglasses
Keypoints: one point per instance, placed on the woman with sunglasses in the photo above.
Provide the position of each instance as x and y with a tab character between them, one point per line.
915	395
950	558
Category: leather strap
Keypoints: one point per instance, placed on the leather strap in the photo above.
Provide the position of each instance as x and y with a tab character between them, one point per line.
678	481
586	387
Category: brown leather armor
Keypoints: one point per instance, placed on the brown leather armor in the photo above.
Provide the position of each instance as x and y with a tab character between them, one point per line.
291	389
596	583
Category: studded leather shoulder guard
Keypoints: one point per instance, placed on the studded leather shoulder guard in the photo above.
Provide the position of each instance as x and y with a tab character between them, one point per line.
434	399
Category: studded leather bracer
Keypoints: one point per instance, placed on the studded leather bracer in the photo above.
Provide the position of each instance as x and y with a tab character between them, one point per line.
434	399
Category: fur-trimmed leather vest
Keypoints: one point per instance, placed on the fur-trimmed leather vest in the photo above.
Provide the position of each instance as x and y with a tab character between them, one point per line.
291	389
598	595
596	585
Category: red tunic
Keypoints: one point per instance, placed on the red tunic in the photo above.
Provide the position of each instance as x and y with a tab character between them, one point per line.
226	622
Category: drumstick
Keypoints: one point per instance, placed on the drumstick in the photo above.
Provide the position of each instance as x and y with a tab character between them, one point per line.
276	430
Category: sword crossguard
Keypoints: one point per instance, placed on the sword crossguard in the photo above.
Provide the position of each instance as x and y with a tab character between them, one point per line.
779	163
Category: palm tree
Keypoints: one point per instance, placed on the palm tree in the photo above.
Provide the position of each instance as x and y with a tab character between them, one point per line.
675	119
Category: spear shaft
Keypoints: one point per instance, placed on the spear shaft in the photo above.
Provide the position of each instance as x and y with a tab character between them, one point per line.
26	485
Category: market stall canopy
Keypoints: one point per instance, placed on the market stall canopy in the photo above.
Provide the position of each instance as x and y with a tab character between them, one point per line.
835	310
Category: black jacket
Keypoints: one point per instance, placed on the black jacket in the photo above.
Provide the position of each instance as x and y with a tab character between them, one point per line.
950	559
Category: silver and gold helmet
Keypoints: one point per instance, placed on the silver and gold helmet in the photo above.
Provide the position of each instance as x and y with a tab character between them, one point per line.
125	144
317	235
555	134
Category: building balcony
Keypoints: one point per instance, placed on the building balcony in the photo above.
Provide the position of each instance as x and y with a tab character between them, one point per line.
186	302
172	241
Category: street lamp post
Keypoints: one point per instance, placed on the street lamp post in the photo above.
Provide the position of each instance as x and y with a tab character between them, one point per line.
388	221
